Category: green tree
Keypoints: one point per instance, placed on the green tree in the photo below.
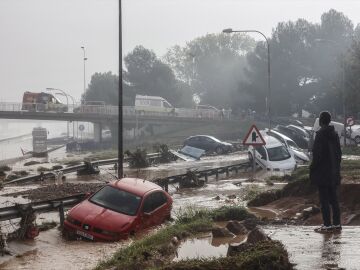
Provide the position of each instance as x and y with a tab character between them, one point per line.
146	74
212	66
103	87
304	62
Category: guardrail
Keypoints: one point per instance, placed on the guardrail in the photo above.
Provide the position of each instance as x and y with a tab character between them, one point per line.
15	211
113	110
12	212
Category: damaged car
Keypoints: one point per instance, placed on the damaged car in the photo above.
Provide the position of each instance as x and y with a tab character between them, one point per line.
118	210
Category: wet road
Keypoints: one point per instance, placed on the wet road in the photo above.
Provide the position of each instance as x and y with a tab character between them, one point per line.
310	250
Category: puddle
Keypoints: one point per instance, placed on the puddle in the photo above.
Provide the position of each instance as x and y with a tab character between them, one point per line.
205	247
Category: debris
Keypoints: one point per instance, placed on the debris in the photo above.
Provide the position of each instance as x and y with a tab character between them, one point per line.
89	169
137	159
5	168
32	162
256	235
191	180
221	232
236	227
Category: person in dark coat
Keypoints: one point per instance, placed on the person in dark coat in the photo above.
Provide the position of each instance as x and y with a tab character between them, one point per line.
325	172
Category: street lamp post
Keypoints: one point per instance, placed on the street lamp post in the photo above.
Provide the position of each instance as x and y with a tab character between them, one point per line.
73	102
84	58
268	98
343	81
67	104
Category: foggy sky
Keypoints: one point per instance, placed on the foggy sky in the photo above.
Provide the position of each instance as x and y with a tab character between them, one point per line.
41	39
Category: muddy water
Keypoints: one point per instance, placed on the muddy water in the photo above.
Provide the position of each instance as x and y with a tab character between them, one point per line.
180	167
206	247
310	250
51	251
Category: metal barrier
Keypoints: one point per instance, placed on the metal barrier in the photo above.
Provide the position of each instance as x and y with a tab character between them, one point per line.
113	110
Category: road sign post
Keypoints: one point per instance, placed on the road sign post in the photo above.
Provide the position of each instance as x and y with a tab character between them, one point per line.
253	138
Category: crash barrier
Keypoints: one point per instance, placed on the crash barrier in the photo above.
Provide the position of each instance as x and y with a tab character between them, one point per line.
16	211
88	167
204	174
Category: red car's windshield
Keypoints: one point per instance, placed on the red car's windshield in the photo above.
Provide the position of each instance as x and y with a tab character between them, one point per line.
117	200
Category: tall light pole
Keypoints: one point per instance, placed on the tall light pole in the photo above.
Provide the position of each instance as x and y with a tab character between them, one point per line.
120	120
268	98
343	81
84	58
73	102
67	104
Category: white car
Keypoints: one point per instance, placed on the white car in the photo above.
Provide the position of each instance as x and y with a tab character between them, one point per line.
355	133
299	154
273	156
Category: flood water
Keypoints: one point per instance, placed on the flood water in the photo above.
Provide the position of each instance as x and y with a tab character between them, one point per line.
307	249
310	250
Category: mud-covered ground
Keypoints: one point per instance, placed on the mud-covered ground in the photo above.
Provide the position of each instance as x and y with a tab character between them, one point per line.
54	191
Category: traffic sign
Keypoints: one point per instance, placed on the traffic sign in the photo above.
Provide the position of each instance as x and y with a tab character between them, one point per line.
81	127
254	137
350	121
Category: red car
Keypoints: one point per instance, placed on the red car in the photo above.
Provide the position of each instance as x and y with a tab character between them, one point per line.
118	210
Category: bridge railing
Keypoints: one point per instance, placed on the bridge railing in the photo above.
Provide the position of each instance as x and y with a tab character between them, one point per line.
34	107
113	110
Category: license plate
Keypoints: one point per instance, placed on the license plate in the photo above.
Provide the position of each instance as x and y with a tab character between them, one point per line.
84	234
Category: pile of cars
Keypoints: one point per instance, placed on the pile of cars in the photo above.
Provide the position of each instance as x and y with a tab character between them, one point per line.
286	146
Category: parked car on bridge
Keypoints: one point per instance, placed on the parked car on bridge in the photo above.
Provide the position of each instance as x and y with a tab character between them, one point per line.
153	104
119	209
42	102
274	156
209	143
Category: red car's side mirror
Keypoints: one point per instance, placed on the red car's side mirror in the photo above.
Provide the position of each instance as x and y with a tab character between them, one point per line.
87	195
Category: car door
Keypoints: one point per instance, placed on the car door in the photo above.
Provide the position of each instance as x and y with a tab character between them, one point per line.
155	209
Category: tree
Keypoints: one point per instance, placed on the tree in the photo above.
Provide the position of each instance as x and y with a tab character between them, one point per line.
212	66
352	85
103	87
146	74
304	63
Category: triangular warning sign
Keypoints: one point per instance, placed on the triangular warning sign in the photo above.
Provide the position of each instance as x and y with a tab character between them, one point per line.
253	137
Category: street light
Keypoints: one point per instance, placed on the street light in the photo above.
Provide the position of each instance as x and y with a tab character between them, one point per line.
73	102
268	98
84	58
67	104
343	80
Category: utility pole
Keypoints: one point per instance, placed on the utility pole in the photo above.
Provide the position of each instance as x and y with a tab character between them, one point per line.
120	127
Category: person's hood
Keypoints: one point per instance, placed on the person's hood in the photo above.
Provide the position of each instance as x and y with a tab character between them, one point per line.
328	132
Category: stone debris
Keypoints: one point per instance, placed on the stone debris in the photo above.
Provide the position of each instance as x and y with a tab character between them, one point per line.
221	232
236	227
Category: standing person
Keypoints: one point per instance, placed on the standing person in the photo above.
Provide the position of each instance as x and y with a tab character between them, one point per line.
325	172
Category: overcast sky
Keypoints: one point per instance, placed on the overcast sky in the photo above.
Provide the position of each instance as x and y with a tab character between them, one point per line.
41	39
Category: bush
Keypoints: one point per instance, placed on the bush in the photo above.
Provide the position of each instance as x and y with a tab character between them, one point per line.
137	159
